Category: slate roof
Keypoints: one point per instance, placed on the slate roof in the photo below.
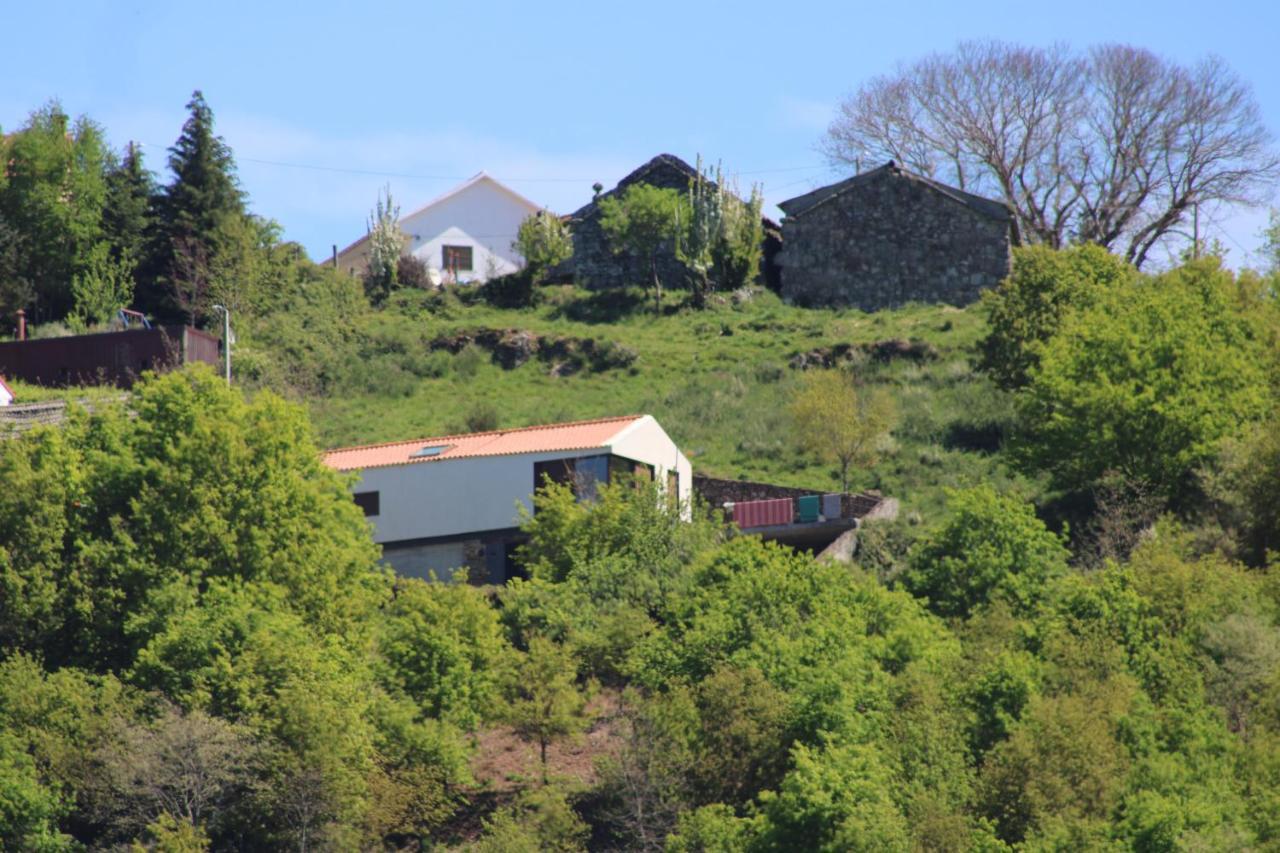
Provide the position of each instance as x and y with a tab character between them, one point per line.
638	176
802	204
577	435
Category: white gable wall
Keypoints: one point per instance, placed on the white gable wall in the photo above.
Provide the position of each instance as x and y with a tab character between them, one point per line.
646	441
6	396
481	215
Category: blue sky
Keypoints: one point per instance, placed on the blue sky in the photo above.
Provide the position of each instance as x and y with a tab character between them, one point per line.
547	96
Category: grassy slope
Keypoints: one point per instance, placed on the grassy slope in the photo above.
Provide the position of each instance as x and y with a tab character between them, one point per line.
718	380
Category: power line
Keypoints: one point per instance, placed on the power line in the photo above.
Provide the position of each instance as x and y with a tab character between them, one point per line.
411	176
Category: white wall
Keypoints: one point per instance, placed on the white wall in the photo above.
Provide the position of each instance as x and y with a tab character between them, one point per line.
646	441
453	496
450	497
483	216
5	397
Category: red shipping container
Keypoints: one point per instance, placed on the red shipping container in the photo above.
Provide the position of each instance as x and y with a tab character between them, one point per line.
763	513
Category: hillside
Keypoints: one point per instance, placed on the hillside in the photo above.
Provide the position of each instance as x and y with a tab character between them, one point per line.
717	379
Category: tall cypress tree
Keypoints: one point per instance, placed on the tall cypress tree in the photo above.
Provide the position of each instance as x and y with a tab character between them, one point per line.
191	215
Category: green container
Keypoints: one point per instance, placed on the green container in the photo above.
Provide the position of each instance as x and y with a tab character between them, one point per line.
809	506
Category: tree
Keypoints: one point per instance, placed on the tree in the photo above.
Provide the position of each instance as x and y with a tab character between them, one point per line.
1114	147
723	240
1029	306
696	241
191	214
643	222
539	821
53	199
990	547
840	422
102	288
386	242
1145	384
543	240
126	215
540	698
185	765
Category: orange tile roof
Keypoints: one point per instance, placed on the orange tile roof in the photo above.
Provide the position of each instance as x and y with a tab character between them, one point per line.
579	435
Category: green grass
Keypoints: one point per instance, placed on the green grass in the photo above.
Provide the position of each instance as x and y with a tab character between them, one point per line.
718	380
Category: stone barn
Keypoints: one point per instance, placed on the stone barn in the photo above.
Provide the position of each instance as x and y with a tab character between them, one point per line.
887	237
594	263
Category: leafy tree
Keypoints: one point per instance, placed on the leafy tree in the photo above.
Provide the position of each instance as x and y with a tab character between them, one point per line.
442	647
990	547
386	242
191	215
541	700
198	483
644	221
1029	307
102	288
54	199
840	422
1147	382
29	809
543	241
540	820
696	241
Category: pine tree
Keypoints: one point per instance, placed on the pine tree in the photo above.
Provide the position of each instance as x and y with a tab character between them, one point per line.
127	215
192	212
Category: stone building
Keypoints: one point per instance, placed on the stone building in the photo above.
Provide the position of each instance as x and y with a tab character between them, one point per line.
594	263
887	237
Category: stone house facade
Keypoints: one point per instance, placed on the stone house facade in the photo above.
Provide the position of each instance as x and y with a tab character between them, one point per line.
594	263
887	237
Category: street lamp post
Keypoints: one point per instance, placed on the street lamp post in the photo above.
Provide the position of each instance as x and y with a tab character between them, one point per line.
226	340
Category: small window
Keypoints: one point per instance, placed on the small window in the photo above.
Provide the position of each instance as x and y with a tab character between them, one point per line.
426	452
673	484
367	501
457	259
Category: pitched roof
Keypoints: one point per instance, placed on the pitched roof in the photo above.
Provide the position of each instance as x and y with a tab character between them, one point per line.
478	177
577	435
802	204
637	176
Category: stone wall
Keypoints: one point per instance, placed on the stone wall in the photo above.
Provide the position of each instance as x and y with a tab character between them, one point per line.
594	263
891	239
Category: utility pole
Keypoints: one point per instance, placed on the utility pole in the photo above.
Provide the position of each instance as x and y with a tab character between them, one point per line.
226	340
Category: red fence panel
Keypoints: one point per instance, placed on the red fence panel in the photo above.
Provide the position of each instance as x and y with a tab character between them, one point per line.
763	513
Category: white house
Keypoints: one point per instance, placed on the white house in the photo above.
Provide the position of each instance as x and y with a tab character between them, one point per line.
464	235
439	504
6	393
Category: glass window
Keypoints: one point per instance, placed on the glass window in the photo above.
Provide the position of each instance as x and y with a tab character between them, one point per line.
457	259
367	501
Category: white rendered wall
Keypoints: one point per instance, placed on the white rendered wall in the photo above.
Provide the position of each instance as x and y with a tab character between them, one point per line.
5	397
646	441
453	496
483	216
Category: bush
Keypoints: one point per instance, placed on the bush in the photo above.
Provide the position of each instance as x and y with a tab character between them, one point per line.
1030	305
482	417
990	547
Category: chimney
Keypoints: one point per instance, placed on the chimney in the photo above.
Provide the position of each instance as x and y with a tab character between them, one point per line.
22	325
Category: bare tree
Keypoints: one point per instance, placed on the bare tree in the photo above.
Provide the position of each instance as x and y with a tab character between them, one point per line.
1116	147
186	765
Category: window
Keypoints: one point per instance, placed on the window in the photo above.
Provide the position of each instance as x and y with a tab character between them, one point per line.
427	452
673	484
457	259
367	501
